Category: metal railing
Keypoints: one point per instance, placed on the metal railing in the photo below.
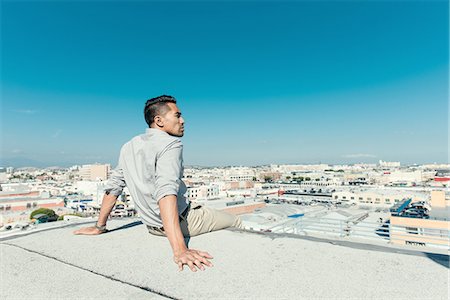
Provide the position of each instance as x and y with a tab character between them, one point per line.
382	232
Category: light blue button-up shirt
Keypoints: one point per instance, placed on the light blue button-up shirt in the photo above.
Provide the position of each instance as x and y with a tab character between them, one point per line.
151	166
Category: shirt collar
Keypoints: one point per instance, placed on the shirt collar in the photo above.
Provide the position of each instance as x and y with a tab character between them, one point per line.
154	131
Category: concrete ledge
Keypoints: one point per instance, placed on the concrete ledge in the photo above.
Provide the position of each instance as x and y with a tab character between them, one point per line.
246	266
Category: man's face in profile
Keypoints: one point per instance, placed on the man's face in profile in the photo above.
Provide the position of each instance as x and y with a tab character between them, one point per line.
173	122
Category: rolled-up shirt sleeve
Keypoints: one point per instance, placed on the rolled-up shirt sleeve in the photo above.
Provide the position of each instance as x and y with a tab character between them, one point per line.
116	182
169	170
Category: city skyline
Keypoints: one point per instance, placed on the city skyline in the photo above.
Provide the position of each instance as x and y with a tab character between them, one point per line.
258	83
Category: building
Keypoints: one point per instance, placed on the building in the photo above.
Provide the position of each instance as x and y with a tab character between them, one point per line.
442	178
433	231
389	164
203	192
239	174
376	197
95	172
93	189
30	200
298	168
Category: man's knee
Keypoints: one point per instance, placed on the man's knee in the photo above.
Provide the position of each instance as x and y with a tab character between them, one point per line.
225	220
238	223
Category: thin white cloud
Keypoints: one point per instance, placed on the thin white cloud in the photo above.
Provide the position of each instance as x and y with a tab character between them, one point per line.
358	155
25	111
57	133
17	151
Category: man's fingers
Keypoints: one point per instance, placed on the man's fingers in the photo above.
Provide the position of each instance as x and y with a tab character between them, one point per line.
87	231
203	260
80	231
191	265
199	264
194	259
204	254
206	262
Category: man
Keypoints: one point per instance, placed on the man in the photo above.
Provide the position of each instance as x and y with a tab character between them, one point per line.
151	166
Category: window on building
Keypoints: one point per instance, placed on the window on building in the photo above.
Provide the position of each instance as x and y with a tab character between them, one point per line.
369	199
360	198
8	207
396	200
34	204
28	205
411	230
343	197
352	198
2	207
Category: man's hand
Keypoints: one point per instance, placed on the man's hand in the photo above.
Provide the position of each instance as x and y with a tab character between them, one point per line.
171	223
194	259
89	231
107	205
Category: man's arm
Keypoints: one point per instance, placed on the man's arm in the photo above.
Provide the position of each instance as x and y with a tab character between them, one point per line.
169	170
107	206
181	254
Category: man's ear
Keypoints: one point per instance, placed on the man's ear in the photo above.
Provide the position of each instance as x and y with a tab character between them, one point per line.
159	121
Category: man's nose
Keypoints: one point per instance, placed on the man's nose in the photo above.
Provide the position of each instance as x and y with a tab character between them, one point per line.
181	120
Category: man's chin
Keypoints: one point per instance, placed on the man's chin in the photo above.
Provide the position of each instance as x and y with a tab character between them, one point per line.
178	134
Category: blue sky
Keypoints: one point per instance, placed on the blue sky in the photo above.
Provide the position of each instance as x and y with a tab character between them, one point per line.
291	82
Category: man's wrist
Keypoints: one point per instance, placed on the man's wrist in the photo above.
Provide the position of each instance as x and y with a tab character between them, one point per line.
102	228
180	250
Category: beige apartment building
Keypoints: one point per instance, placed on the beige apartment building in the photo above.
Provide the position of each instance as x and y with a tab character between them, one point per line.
95	172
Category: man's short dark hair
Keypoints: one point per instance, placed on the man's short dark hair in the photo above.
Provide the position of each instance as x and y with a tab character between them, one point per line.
157	106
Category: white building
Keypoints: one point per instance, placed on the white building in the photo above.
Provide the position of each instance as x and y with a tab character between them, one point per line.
407	177
377	197
203	192
94	189
389	164
298	168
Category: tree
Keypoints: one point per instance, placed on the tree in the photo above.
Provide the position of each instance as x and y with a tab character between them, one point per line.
46	211
267	178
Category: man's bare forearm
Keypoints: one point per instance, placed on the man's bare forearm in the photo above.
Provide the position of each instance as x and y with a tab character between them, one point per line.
107	206
171	223
181	254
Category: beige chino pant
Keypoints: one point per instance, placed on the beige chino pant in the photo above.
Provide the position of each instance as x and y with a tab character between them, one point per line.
201	219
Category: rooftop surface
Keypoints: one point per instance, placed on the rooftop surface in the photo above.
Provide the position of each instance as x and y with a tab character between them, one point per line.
129	263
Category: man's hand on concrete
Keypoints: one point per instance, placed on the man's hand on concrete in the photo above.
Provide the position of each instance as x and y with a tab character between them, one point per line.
88	231
194	259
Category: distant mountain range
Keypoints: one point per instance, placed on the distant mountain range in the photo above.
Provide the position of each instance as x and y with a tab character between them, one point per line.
21	162
24	162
